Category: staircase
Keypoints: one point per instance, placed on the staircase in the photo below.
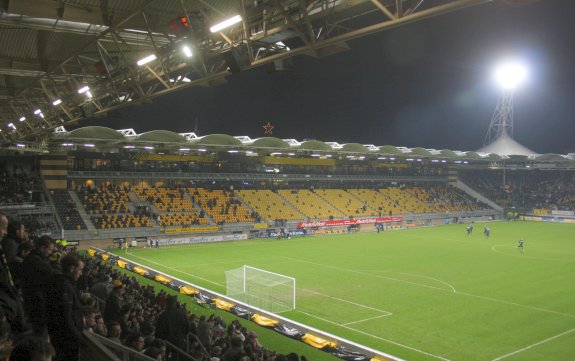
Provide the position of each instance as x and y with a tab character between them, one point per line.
82	211
467	189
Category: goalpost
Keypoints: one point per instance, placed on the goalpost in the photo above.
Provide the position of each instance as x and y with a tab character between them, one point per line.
262	289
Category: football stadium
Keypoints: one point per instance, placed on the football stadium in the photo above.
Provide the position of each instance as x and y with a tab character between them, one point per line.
119	243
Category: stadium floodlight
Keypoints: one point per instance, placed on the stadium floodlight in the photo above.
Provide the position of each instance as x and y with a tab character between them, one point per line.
57	102
187	51
226	23
146	60
22	119
510	74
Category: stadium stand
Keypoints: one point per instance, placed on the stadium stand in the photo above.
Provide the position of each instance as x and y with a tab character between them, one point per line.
310	204
221	205
269	205
67	211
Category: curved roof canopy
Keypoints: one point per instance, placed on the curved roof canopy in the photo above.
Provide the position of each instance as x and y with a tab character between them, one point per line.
355	148
95	133
389	149
420	151
448	153
162	136
313	144
218	140
270	142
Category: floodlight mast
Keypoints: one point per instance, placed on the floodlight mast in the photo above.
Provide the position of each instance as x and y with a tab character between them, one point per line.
508	76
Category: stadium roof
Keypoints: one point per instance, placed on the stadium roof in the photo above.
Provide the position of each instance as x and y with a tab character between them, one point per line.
505	145
50	50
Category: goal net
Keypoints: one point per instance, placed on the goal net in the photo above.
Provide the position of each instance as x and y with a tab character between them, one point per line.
262	289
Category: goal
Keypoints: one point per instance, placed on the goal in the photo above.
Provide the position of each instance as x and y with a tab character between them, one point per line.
262	289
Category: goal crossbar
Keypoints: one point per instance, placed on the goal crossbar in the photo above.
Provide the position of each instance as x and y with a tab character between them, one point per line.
265	289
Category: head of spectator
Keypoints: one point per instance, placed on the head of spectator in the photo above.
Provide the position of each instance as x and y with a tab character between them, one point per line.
24	249
100	326
159	344
72	266
16	230
118	287
3	225
155	353
89	318
44	245
114	331
33	348
135	341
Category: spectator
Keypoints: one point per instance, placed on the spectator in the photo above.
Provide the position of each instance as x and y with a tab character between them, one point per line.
63	309
101	289
114	303
235	352
173	324
114	331
16	234
36	272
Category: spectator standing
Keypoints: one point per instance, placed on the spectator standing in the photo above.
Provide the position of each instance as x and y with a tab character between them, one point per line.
36	272
173	324
114	303
64	311
16	234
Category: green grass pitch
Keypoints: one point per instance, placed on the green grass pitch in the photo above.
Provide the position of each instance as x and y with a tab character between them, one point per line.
419	294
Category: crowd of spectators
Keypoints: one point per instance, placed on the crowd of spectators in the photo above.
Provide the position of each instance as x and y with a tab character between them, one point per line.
526	190
41	280
17	185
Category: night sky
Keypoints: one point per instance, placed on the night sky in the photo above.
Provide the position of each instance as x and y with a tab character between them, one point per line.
427	84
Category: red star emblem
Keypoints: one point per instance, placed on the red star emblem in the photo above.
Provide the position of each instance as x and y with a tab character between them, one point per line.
268	128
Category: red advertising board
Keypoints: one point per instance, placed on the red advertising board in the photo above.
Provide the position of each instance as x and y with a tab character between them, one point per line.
347	222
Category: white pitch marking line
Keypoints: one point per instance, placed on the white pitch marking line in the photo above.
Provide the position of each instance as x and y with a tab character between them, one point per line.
516	304
443	289
363	273
387	313
373	336
534	345
494	249
174	269
365	319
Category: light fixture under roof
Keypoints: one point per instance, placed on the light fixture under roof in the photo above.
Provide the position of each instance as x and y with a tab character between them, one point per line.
187	51
22	119
146	59
226	23
57	102
37	111
83	89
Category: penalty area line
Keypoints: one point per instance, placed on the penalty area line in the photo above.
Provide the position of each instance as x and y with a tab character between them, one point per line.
534	345
177	270
374	336
365	319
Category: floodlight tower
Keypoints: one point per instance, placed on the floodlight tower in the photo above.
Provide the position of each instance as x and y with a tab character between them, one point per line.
508	76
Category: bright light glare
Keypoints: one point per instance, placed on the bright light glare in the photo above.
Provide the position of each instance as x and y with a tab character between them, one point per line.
22	119
187	51
37	111
226	23
509	75
146	60
84	89
57	102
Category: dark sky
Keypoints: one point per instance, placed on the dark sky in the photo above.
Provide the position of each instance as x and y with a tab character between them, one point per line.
427	84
